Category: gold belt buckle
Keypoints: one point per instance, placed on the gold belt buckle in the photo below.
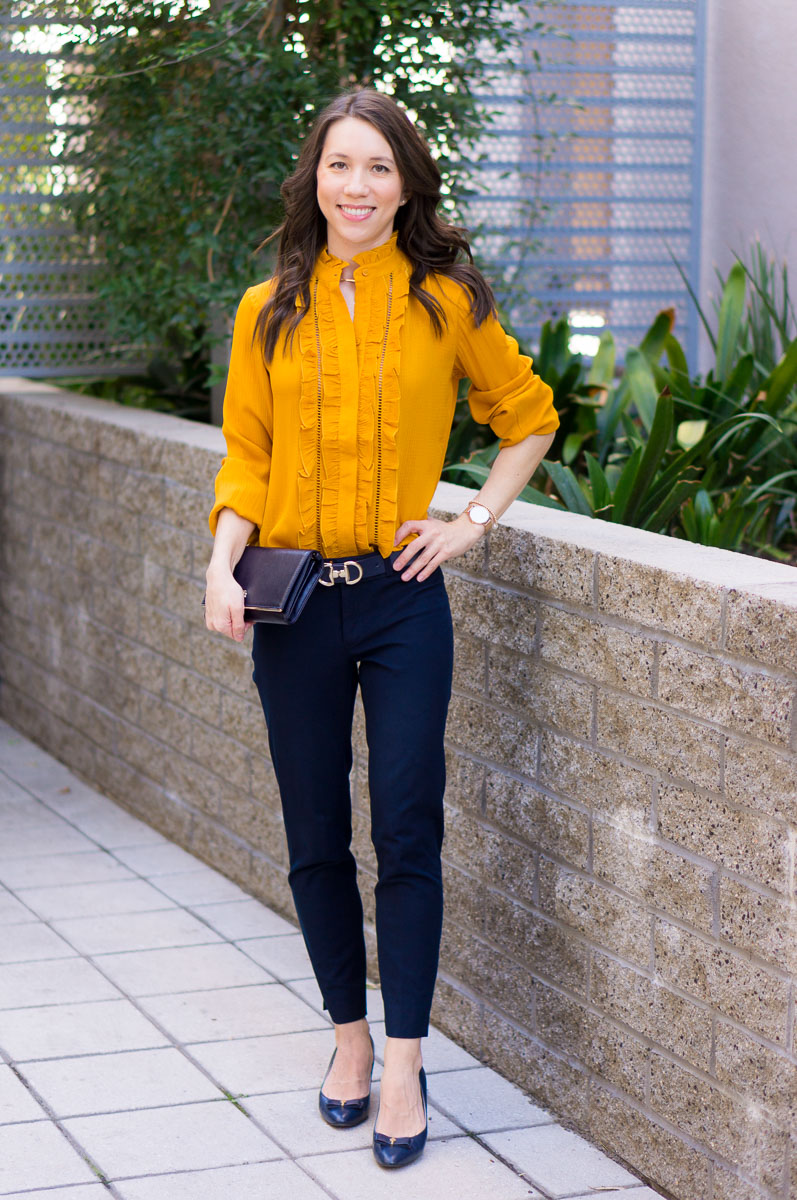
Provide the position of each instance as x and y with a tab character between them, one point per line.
341	573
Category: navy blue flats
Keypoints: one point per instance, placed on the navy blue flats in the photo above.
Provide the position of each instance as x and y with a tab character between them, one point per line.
399	1151
344	1114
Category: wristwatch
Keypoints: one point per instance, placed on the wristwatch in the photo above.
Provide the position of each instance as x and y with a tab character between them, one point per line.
480	514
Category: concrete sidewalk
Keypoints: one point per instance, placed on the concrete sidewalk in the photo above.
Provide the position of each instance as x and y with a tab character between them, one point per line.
162	1036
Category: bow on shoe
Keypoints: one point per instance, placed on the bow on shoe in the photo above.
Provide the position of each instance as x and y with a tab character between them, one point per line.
344	1114
400	1151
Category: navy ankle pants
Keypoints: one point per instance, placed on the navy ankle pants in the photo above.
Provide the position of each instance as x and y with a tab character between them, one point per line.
393	639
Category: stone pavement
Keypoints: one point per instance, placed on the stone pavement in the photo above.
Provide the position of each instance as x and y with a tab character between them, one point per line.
162	1037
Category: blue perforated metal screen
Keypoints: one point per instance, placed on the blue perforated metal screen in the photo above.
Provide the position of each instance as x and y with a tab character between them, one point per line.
50	320
617	170
620	191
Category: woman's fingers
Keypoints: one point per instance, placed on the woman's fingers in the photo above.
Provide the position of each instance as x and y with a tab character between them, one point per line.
436	542
413	548
421	568
237	625
426	569
231	625
427	551
224	611
406	528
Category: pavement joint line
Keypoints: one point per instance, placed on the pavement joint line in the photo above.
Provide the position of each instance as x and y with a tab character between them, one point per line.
542	1194
144	995
182	1048
58	1122
238	1100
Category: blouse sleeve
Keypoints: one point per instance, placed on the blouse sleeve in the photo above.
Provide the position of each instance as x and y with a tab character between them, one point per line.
505	393
242	481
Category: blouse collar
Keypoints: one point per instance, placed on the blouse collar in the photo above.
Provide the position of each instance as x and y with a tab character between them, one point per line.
378	261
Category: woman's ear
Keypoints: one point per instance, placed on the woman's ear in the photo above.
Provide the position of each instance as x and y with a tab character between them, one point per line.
404	198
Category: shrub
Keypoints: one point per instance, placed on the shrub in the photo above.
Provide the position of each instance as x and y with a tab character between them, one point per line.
711	459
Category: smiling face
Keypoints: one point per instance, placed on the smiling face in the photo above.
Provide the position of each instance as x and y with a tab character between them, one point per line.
359	188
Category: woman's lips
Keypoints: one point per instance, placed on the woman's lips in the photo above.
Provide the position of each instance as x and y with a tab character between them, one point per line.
354	212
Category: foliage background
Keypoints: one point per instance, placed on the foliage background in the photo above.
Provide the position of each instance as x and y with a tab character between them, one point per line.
711	458
196	113
195	119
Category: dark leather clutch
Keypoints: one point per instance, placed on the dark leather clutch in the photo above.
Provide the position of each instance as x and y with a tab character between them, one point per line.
277	583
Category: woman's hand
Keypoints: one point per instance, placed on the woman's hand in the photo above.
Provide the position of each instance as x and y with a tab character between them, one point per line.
224	604
439	540
436	542
224	598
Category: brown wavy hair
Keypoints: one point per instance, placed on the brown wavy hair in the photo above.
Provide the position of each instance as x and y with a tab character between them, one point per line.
432	245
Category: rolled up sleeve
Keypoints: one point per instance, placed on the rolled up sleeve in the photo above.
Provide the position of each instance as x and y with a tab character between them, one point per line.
505	393
242	481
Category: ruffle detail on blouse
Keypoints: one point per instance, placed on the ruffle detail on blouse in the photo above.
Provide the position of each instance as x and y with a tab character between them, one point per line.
319	424
378	413
352	498
310	399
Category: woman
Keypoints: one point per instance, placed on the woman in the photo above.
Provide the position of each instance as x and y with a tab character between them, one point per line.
339	403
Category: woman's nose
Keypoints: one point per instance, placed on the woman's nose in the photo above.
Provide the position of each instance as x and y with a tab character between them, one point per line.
356	183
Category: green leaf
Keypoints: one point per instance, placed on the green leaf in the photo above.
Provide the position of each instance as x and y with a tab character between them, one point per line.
534	496
770	484
782	380
704	506
695	300
571	446
601	492
625	484
655	340
680	384
567	486
569	381
739	380
608	417
461	437
639	378
601	372
689	433
656	448
730	321
478	472
659	520
689	522
632	431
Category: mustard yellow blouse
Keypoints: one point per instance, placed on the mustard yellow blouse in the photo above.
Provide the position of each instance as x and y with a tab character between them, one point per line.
333	445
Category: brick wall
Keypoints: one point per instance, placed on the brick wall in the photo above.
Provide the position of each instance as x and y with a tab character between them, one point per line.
622	800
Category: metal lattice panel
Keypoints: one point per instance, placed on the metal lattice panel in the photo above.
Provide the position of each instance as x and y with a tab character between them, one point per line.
584	202
50	319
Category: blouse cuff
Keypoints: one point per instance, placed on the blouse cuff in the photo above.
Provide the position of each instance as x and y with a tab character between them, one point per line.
245	495
515	409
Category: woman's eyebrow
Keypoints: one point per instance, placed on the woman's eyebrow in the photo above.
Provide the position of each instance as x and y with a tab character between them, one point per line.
373	158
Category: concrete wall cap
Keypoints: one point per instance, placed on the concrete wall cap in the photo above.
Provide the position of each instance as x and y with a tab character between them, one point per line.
140	420
705	564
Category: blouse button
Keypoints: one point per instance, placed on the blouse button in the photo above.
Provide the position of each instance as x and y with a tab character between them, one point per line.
365	271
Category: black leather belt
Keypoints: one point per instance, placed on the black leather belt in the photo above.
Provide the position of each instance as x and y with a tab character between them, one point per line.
357	567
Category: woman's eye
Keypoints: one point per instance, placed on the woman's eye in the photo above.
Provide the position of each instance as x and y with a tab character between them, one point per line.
381	168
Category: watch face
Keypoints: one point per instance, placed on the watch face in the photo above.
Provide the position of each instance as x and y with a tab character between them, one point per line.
479	514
